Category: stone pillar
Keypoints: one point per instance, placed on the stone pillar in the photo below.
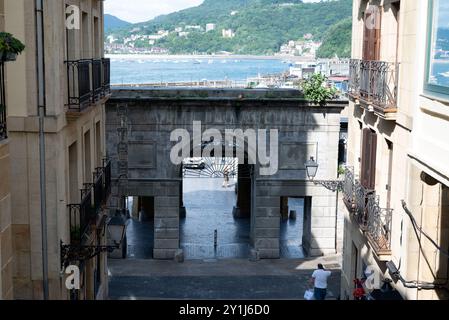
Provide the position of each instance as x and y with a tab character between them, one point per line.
284	208
267	227
243	206
146	208
182	209
320	222
166	227
135	208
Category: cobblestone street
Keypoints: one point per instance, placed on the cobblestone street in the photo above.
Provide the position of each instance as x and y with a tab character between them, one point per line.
209	208
217	279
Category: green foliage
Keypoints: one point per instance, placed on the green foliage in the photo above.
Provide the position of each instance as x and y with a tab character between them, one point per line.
337	41
9	44
316	90
261	26
75	234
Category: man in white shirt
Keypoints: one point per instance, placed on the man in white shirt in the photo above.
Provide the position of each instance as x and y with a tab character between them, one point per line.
319	280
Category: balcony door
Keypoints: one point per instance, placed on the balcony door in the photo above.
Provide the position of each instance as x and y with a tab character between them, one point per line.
368	169
371	33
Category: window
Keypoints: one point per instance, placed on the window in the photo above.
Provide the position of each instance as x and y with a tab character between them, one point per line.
437	71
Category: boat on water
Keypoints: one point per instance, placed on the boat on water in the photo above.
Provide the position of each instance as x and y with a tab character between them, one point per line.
445	74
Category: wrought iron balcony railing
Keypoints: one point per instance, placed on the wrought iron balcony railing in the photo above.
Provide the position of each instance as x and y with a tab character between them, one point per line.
78	81
374	221
97	79
348	188
81	216
107	176
106	79
379	225
374	83
88	81
3	131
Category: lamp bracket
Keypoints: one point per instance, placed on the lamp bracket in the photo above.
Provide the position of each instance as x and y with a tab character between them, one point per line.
73	252
332	185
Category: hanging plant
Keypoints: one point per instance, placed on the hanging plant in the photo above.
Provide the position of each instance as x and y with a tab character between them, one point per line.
10	47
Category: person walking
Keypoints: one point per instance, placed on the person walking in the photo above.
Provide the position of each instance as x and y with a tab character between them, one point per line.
319	281
226	178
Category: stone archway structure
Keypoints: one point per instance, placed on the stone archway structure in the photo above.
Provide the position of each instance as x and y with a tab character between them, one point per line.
304	130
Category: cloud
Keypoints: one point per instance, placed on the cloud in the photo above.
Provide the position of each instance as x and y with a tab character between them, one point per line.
143	10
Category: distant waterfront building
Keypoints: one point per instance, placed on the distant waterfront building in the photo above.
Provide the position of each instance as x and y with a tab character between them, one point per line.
228	33
183	34
179	29
210	27
195	27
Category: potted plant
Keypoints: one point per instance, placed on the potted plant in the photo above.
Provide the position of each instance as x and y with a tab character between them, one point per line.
75	235
10	47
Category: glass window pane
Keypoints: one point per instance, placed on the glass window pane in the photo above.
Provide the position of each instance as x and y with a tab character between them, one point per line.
439	54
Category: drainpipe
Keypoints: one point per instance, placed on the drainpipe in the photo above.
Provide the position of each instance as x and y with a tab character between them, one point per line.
40	72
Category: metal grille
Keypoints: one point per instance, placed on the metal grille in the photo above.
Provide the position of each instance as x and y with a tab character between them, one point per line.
376	82
96	79
78	82
211	168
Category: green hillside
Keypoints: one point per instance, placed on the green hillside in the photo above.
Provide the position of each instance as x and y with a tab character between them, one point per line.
337	41
260	26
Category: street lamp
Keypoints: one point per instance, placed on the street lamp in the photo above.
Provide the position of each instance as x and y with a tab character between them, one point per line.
312	169
116	227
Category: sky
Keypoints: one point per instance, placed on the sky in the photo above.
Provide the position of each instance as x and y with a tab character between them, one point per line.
144	10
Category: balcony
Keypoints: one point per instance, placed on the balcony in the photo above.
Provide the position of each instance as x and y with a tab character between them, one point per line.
87	83
94	197
374	84
3	131
81	216
373	221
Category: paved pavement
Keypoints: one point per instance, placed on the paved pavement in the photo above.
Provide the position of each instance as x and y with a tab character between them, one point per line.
209	208
217	279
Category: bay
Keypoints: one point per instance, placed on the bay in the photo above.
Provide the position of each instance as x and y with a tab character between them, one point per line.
148	69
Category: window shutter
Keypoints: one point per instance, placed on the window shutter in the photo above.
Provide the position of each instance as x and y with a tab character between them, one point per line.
372	160
365	157
368	168
371	33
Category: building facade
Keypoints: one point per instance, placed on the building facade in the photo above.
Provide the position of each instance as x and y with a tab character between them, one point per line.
62	71
396	193
6	255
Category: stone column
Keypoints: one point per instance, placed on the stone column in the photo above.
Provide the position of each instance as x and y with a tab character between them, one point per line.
182	209
267	227
166	227
320	222
243	206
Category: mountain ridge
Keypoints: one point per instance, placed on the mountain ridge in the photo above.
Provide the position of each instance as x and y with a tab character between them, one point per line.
260	26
